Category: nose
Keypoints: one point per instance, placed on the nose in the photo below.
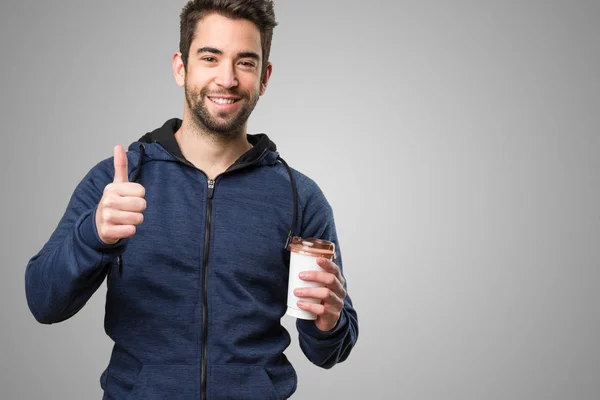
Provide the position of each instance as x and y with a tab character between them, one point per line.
226	76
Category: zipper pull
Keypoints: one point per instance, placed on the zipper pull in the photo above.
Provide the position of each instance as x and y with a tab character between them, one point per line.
211	188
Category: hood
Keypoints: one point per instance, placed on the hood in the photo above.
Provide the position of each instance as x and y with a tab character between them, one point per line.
263	151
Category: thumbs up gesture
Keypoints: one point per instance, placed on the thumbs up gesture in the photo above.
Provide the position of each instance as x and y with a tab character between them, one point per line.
121	206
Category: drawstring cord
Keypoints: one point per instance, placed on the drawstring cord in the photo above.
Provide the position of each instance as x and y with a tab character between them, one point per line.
295	198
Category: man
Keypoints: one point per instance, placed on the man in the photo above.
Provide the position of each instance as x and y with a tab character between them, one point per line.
190	229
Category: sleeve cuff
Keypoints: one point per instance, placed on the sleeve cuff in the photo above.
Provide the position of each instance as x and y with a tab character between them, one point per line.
89	234
309	328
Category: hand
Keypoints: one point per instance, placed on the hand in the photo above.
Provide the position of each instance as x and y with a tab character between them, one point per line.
121	206
332	295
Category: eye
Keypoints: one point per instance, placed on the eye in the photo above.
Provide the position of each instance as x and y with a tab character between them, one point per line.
247	64
209	59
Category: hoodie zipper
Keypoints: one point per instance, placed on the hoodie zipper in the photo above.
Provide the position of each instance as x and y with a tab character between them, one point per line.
210	192
211	188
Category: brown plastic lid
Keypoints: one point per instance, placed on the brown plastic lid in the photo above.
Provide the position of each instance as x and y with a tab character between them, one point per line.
313	247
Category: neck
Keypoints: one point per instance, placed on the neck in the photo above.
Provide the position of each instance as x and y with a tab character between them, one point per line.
209	152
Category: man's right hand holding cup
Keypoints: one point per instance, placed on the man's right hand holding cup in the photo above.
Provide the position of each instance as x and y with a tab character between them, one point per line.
120	209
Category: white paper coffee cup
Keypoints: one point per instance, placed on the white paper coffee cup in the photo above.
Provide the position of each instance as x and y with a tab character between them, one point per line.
303	257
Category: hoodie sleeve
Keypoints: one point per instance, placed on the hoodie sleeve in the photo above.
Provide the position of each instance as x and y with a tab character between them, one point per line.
71	266
325	349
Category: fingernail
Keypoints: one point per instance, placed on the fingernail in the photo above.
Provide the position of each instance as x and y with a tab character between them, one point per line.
302	275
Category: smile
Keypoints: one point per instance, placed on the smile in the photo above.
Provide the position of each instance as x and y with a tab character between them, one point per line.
220	100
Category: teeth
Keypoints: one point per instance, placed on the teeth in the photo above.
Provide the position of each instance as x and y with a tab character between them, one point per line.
222	101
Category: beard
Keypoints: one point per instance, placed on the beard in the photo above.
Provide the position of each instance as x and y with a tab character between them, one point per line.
225	124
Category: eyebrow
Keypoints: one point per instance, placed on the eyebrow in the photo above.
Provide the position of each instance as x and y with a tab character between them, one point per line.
249	54
244	54
209	50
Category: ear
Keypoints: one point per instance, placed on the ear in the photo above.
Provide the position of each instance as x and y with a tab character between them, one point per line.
178	69
265	78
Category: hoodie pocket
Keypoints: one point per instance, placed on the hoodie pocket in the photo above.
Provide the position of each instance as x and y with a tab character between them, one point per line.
159	382
240	382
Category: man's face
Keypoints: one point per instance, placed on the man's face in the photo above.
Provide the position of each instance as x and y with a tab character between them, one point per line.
223	77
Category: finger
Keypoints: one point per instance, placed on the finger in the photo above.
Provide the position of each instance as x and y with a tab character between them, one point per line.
325	278
129	203
132	189
118	217
120	159
114	201
324	294
330	266
317	309
116	232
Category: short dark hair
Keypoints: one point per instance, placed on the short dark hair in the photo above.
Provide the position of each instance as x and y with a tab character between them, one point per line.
260	12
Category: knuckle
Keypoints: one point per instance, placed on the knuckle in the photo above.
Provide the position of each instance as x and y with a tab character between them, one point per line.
107	215
109	201
104	232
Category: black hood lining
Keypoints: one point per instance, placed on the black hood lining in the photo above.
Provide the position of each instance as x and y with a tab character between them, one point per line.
165	136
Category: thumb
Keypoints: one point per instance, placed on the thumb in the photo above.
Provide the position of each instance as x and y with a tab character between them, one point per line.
120	165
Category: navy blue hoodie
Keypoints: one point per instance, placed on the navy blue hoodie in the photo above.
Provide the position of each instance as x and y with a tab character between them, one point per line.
195	298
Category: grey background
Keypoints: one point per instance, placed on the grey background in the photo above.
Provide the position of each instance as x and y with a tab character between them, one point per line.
458	143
